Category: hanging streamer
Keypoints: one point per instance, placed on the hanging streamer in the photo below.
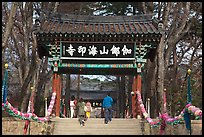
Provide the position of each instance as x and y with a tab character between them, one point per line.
187	120
189	87
163	124
27	123
29	110
187	115
5	88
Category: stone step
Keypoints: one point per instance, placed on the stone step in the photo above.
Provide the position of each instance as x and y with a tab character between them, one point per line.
96	123
95	119
96	129
96	126
75	125
99	126
98	133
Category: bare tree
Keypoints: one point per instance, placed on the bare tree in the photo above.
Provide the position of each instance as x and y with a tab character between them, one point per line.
177	21
9	24
22	48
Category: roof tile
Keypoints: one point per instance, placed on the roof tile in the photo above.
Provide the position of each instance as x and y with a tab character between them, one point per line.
83	24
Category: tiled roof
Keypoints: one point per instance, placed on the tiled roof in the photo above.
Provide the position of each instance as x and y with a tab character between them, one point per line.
94	95
84	24
82	28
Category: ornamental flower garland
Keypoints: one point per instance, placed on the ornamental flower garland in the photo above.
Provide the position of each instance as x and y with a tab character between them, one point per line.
172	121
28	116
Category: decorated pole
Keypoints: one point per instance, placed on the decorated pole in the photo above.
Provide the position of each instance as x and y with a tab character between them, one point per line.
189	88
148	104
29	110
163	120
5	87
165	100
186	113
45	107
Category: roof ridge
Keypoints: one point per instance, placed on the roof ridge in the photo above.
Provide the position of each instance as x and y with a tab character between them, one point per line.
48	15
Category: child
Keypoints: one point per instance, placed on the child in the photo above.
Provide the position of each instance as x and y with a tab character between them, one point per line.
88	109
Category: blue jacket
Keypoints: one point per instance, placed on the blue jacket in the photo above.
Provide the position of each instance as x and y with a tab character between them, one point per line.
107	102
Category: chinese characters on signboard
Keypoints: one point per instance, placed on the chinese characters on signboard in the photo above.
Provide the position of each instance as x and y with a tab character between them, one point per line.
97	51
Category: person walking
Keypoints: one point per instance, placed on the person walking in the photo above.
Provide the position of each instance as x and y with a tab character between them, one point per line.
72	106
88	109
107	106
81	112
75	108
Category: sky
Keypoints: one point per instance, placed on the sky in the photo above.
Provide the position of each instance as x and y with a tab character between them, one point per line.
100	77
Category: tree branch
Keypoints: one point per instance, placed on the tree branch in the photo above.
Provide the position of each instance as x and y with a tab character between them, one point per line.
9	25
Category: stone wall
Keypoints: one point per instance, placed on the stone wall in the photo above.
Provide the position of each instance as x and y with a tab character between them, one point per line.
13	126
179	129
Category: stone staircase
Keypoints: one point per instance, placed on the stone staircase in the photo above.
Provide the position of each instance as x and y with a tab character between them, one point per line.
96	126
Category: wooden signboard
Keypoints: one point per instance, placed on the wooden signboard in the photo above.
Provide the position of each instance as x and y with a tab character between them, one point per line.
97	53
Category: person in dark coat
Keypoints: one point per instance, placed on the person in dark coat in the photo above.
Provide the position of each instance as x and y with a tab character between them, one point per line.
81	112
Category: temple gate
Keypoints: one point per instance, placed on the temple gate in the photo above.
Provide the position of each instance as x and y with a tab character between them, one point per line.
82	44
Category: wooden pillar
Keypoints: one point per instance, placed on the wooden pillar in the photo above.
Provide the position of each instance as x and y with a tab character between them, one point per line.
67	96
129	95
54	90
57	88
58	96
118	99
78	86
134	98
139	88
